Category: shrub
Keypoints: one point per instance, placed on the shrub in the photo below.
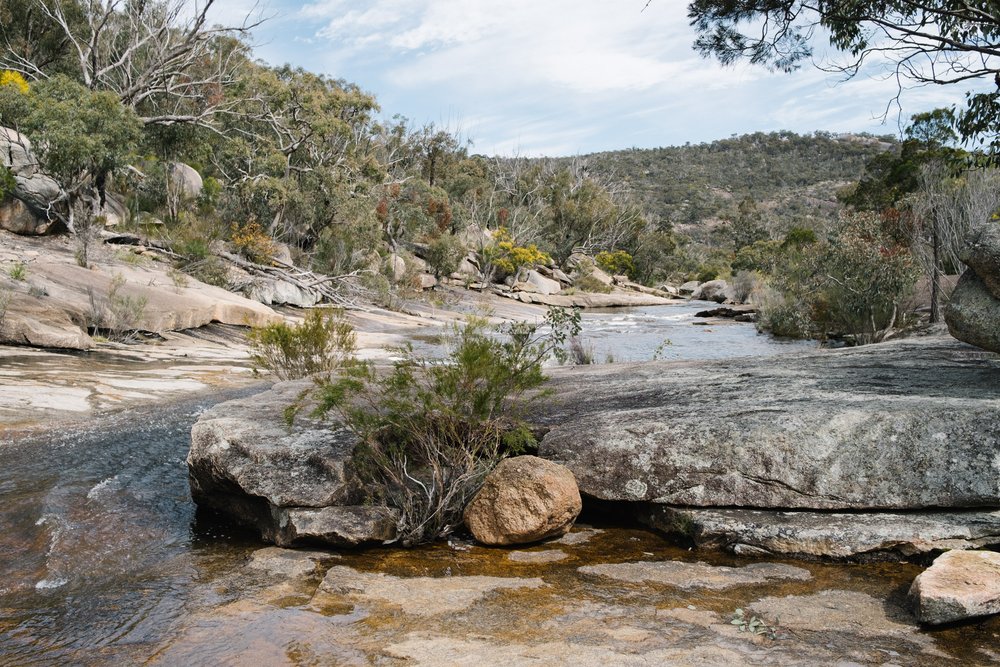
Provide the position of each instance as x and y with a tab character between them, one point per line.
588	283
430	431
18	271
322	342
616	262
505	255
118	316
744	283
444	254
252	242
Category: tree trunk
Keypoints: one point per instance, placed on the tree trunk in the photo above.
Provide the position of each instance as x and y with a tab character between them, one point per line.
935	274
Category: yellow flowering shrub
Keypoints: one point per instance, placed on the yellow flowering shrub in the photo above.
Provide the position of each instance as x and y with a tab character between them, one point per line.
11	78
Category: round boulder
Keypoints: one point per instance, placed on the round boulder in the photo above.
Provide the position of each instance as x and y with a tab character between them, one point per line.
525	499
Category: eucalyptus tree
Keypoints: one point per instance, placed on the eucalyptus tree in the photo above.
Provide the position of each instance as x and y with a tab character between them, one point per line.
936	42
163	59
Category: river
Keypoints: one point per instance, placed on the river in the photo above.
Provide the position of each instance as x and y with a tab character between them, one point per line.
104	559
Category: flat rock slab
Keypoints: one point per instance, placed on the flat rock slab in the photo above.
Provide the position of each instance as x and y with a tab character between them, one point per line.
827	534
901	425
291	563
688	576
832	611
959	585
421	596
537	557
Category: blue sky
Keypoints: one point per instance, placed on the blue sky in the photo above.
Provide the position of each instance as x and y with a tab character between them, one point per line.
562	77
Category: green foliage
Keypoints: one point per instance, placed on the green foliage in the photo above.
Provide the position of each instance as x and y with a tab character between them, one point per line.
856	286
7	182
79	135
323	342
18	271
754	625
14	98
444	254
118	316
617	262
762	256
430	431
798	236
954	33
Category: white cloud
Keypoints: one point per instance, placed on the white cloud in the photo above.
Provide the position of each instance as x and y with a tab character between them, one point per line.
567	75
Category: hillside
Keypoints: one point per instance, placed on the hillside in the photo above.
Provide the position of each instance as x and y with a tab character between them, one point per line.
792	178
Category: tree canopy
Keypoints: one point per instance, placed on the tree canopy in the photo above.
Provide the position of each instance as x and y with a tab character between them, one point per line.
941	42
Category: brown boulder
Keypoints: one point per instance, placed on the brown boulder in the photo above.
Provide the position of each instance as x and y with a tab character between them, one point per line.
524	499
959	585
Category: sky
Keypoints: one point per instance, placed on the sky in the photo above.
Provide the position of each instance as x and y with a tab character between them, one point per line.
563	77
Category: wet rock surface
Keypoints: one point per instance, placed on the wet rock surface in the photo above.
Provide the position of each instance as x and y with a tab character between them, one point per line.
827	534
523	500
902	425
437	606
958	586
697	575
421	596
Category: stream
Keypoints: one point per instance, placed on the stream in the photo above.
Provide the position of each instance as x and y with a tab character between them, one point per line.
104	559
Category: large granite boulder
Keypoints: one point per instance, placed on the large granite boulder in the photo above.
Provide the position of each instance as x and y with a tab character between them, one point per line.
16	154
17	217
909	425
973	313
293	483
26	210
524	499
982	254
959	585
713	290
536	282
185	180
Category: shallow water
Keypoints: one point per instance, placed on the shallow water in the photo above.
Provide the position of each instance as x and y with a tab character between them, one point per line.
103	560
673	332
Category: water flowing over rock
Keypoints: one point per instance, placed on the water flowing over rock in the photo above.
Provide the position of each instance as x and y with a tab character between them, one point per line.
958	586
293	483
904	425
524	499
973	313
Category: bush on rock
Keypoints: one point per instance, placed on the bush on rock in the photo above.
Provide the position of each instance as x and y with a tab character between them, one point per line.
431	430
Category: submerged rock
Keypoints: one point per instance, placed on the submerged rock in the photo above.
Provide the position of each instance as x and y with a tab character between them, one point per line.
958	586
421	596
826	534
524	499
292	483
688	576
903	425
290	563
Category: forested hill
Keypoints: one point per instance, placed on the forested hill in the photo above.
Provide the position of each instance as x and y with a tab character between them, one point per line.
780	171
